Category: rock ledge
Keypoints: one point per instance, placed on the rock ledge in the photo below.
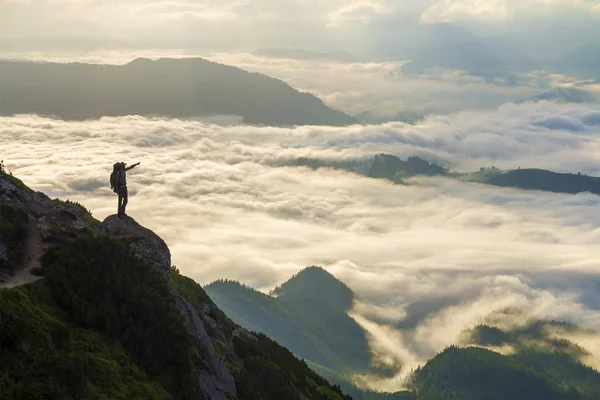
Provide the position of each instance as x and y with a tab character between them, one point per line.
147	245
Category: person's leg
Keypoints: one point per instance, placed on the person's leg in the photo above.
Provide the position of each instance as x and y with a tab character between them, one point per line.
120	204
125	200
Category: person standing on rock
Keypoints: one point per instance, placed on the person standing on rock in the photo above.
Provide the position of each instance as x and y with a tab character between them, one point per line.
120	186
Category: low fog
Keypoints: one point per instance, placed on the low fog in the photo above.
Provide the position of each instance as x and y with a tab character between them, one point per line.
433	257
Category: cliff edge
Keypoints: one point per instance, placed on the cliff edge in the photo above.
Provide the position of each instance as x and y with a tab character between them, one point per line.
147	245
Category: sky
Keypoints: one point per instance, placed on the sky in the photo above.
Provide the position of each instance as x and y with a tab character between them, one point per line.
362	26
435	256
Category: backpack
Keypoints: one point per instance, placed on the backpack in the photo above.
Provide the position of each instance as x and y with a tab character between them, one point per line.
114	179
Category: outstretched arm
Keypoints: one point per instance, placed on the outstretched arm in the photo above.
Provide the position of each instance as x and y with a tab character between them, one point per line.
132	166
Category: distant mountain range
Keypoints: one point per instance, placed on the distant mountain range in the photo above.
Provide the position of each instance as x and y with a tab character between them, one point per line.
397	170
180	88
307	314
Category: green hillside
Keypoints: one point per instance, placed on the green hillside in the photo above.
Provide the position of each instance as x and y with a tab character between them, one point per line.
476	373
314	328
307	314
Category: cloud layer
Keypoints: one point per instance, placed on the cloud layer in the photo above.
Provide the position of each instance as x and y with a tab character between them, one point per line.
432	257
385	93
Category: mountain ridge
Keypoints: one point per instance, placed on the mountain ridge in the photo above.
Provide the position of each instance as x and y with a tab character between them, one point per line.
178	88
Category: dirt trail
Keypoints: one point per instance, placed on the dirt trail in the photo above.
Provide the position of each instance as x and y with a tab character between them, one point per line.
34	250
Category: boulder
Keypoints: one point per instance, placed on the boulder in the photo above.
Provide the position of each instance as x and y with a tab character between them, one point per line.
147	245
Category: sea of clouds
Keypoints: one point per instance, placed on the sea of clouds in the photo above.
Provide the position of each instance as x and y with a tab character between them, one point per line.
433	257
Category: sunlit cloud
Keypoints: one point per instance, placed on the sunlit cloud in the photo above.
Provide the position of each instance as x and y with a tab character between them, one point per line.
495	10
433	257
381	88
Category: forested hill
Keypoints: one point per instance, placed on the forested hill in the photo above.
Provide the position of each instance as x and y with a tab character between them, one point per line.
393	168
539	179
110	317
181	88
308	315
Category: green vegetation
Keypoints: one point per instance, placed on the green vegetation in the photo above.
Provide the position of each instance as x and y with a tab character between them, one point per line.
68	202
104	325
13	229
188	288
554	358
269	371
310	327
102	285
308	316
317	284
272	372
12	179
396	170
539	179
393	168
194	293
45	355
381	166
475	373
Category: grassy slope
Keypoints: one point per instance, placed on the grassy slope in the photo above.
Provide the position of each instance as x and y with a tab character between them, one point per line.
46	355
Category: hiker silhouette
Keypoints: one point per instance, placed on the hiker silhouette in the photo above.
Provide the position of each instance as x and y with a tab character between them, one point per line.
118	183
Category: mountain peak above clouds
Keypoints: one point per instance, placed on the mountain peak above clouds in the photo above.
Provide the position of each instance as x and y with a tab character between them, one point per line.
316	283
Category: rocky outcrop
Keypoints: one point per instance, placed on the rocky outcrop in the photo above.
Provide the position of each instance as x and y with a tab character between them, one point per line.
147	245
217	381
13	191
50	222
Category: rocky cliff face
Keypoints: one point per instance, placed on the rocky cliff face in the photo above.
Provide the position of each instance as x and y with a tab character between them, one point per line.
216	381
